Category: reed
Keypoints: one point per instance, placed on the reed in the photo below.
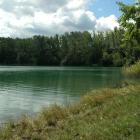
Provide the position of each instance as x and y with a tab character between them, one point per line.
133	70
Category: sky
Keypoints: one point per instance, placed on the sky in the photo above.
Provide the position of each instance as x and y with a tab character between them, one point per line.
26	18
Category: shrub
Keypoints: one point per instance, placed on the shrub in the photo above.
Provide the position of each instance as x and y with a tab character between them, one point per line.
133	70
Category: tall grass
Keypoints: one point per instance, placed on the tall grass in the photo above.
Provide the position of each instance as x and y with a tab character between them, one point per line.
109	114
133	70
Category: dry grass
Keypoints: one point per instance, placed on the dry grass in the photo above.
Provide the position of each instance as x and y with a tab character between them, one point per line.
132	71
106	114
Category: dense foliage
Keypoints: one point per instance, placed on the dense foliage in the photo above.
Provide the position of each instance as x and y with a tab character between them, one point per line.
75	48
111	48
130	22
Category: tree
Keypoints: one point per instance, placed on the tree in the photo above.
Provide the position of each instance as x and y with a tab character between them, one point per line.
130	22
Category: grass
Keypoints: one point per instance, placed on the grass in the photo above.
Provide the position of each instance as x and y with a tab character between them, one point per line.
133	71
108	114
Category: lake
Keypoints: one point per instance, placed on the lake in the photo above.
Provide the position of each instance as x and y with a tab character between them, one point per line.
25	90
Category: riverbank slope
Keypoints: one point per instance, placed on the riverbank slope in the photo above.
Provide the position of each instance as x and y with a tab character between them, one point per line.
106	114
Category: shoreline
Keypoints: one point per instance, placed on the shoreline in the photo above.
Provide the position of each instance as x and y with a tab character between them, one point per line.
54	122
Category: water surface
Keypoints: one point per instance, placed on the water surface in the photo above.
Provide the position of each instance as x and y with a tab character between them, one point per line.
25	90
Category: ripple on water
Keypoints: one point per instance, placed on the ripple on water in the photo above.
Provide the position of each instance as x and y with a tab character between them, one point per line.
28	89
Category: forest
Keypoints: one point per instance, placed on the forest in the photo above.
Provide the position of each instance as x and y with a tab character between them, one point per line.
109	48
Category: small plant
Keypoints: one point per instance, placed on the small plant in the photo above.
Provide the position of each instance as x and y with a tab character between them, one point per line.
133	70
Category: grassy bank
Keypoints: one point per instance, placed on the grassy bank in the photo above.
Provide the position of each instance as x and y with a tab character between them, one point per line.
133	71
108	114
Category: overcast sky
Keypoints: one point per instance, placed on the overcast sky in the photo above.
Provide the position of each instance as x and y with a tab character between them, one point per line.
25	18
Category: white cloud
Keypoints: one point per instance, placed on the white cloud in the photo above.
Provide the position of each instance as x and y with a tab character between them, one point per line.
23	18
105	23
75	4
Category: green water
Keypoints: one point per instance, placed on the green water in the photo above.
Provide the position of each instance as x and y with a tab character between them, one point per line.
25	90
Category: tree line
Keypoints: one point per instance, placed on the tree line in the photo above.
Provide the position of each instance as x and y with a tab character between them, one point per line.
110	48
75	49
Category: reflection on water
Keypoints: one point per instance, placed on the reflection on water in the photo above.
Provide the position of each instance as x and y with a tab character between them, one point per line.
28	89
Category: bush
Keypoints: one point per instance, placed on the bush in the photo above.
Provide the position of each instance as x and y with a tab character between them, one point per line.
133	70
